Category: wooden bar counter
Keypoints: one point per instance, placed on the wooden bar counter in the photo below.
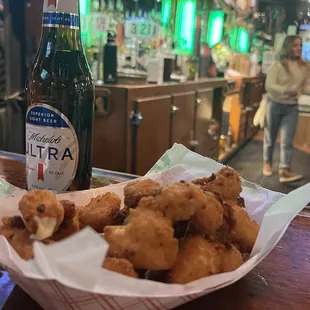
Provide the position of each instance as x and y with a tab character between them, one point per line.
136	124
279	282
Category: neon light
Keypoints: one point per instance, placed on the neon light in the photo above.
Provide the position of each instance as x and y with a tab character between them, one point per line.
215	28
166	11
84	7
243	41
239	40
185	25
85	25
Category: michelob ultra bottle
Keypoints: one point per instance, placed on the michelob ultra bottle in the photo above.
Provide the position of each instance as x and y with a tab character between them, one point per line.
60	95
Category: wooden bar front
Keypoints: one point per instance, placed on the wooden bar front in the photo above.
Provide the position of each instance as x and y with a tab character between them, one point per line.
136	124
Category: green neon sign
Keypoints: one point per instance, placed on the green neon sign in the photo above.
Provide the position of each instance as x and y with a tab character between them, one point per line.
243	41
166	8
185	26
215	28
240	40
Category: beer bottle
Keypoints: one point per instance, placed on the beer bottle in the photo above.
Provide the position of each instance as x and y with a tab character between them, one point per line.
60	96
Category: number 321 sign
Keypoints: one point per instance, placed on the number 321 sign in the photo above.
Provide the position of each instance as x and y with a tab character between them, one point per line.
140	29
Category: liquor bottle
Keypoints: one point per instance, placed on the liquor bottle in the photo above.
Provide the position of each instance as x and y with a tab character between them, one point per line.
60	96
110	60
229	139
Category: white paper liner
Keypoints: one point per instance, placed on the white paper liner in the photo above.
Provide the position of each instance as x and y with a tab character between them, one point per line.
75	263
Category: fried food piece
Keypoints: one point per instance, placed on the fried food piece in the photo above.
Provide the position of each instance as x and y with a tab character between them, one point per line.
226	182
223	234
211	216
197	258
42	213
120	217
231	259
14	222
17	236
245	230
120	265
21	242
134	191
146	240
14	230
68	227
181	201
70	224
69	209
153	204
100	212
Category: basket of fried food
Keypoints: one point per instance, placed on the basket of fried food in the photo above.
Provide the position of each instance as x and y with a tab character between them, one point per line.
175	234
152	243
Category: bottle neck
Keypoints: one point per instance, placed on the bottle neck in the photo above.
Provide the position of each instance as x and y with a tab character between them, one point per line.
61	24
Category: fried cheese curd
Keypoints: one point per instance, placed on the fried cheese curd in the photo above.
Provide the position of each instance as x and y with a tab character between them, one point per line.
42	213
199	258
181	201
147	238
70	224
134	191
245	230
100	212
120	265
226	182
14	230
210	217
223	234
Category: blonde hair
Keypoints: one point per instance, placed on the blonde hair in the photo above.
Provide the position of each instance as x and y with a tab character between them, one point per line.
286	51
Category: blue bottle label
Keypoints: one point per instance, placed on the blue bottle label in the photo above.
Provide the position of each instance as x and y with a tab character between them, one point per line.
61	14
52	149
60	20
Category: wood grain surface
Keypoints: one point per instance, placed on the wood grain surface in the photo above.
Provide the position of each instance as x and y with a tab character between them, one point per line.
280	282
14	172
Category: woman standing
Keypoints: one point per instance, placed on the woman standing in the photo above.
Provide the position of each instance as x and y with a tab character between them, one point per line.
286	80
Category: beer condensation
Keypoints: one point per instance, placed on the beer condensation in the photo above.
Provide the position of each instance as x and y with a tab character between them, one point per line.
60	95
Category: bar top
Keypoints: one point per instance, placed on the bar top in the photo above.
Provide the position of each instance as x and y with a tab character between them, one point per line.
216	81
280	281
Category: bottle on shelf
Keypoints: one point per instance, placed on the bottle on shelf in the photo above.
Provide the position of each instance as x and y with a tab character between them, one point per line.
229	139
222	146
110	60
60	96
95	67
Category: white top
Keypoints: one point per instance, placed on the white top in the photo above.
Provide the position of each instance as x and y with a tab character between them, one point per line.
279	79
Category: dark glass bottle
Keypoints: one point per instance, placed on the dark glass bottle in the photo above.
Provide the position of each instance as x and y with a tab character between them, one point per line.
60	95
110	60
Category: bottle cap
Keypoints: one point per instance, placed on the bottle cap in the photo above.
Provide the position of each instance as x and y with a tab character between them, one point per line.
111	37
